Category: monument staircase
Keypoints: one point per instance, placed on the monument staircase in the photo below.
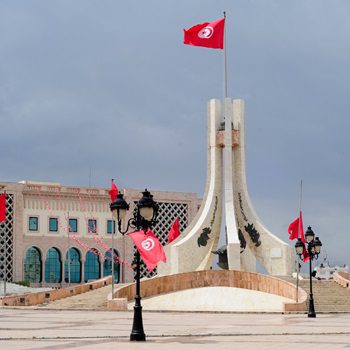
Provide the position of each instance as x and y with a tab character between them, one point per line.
329	296
92	300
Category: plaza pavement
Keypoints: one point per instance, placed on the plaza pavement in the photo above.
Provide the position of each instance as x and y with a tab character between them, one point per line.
43	329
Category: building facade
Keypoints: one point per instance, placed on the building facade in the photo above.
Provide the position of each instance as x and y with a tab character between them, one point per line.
57	235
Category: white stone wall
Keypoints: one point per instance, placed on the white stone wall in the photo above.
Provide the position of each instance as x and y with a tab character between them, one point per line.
215	299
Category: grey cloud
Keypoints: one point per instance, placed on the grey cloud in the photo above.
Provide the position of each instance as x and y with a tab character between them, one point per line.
110	86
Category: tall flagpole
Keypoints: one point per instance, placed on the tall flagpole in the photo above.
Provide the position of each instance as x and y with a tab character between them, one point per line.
112	258
4	279
225	60
298	264
301	193
122	266
112	252
5	252
68	242
5	271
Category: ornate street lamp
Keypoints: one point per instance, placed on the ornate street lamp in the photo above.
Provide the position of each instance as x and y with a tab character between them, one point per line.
144	217
313	249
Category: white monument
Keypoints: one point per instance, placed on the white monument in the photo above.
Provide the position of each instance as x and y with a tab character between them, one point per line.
248	241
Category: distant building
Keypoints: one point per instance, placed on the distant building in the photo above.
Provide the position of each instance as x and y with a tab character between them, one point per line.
324	271
35	245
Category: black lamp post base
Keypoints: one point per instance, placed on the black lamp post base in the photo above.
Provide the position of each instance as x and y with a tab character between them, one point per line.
137	337
311	312
137	333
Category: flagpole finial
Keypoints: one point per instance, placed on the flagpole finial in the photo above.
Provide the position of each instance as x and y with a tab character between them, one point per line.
224	14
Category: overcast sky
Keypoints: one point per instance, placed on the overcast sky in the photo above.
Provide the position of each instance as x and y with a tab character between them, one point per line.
109	86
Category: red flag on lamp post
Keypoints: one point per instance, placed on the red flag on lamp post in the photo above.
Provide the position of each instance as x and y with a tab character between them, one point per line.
301	228
302	237
174	231
207	34
3	207
113	192
149	247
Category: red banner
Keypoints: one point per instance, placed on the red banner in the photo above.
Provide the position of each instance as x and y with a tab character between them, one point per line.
3	207
207	34
174	231
149	247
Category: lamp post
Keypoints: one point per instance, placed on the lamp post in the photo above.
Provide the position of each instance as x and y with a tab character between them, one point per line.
144	217
313	249
112	258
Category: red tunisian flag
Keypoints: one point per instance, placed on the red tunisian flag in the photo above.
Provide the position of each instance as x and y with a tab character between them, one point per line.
149	248
296	230
3	207
113	192
293	229
206	34
174	231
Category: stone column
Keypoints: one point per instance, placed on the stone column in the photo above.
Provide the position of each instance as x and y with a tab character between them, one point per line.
233	244
83	270
43	269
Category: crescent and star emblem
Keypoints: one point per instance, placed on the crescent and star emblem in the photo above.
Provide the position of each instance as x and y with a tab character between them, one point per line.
148	244
206	32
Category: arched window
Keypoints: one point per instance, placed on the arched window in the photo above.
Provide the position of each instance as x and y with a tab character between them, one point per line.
32	265
107	265
73	273
53	266
92	270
